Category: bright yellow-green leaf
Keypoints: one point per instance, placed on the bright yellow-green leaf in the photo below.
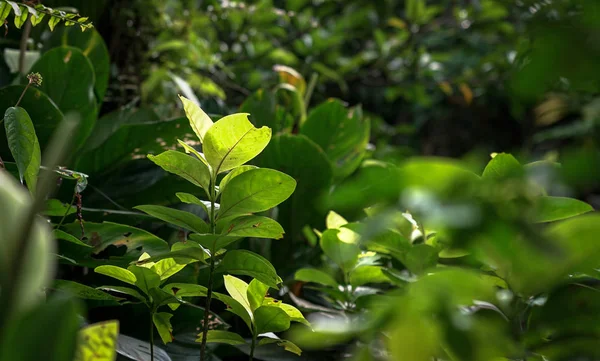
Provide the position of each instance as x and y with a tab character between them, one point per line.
162	321
549	209
233	141
98	342
243	262
257	291
117	272
315	276
271	319
167	267
343	254
199	120
334	220
238	290
185	166
234	173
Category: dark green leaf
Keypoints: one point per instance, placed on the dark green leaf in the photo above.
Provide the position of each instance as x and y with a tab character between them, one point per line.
179	218
549	209
56	208
185	166
251	226
242	262
271	319
23	144
82	291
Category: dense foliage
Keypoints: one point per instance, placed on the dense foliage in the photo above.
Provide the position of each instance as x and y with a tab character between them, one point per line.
365	180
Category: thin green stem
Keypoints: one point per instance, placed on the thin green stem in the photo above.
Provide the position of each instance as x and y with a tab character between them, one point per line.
213	197
253	345
151	336
67	211
311	87
23	94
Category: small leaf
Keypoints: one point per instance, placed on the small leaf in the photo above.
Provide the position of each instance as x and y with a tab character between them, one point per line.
213	241
334	220
549	209
167	267
52	22
182	252
242	262
315	276
146	279
4	11
179	218
192	199
162	321
123	290
185	166
256	190
286	344
98	342
257	291
251	226
293	312
271	319
502	166
185	290
23	145
343	254
58	234
119	273
218	336
238	290
20	19
233	141
199	120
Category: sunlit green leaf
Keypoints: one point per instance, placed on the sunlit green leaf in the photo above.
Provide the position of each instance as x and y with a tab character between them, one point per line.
167	267
256	293
183	219
185	166
549	209
227	337
238	290
23	144
251	226
119	273
271	319
199	120
146	279
98	342
162	321
234	173
315	276
343	254
242	262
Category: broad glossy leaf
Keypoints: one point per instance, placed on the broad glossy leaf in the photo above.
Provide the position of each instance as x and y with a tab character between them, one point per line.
256	190
167	267
271	319
233	141
315	276
146	279
242	262
367	274
238	290
234	173
181	252
161	298
92	45
122	291
102	235
82	291
236	308
251	226
98	342
192	199
199	120
23	144
213	241
342	133
162	321
257	291
182	219
227	337
69	81
119	273
343	254
549	209
185	166
503	166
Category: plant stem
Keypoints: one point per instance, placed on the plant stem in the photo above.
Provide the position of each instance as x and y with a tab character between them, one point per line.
213	196
23	94
311	87
67	212
23	50
151	336
253	345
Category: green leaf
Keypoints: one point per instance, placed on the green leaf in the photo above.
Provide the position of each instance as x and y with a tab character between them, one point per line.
162	321
367	274
186	290
146	279
256	190
549	209
213	241
503	166
181	252
234	173
293	312
199	120
271	319
342	133
23	144
242	262
233	141
93	47
191	150
56	208
238	290
251	226
4	11
82	291
343	254
334	220
123	291
315	276
218	336
257	291
119	273
185	166
286	344
69	81
58	234
20	19
420	258
177	217
236	308
98	342
192	199
161	297
167	267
